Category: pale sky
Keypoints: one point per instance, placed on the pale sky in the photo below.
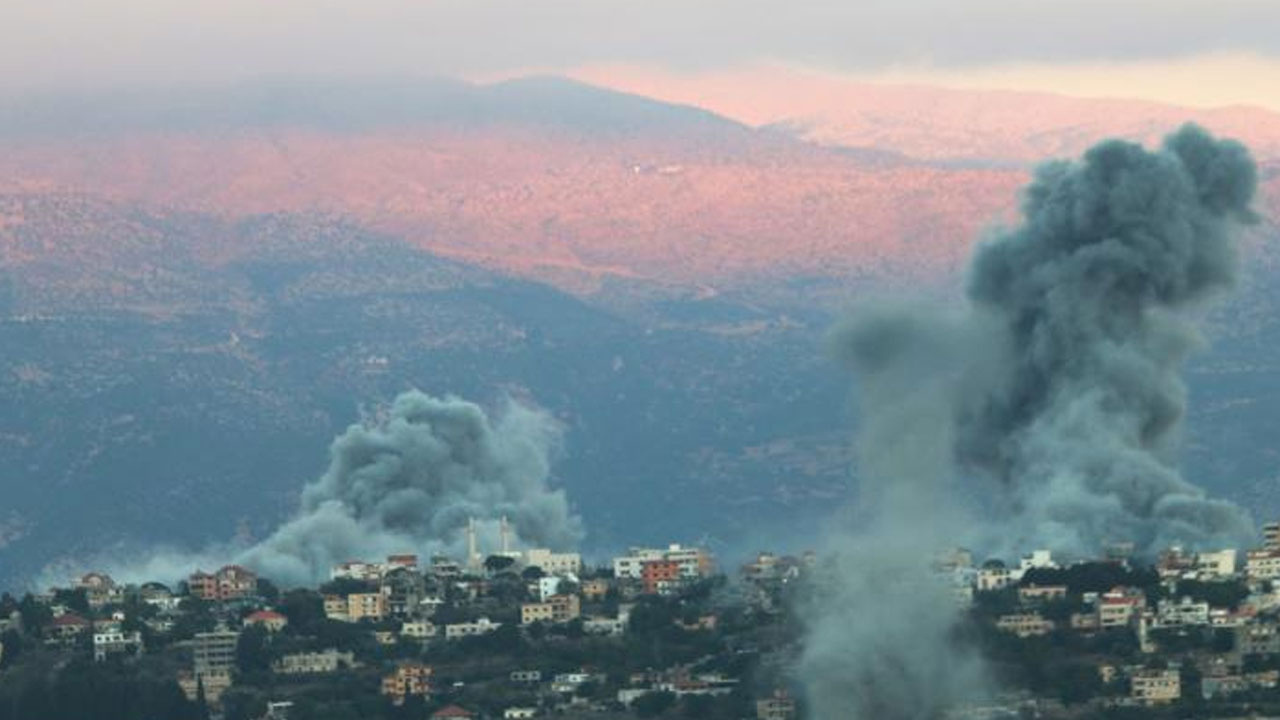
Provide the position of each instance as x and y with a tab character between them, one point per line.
1191	51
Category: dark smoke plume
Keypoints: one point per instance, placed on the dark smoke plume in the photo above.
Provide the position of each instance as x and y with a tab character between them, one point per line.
409	482
1057	388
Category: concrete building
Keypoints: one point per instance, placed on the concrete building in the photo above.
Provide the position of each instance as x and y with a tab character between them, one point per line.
1263	564
1039	594
409	679
418	629
482	626
1183	612
1119	607
214	651
557	609
1155	687
314	663
1024	624
780	706
366	606
553	563
116	643
231	582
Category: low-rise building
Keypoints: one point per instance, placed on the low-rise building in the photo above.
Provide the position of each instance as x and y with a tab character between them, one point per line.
314	663
214	651
1183	612
366	606
779	706
1263	564
231	582
115	644
1155	687
557	609
1039	594
482	626
1024	624
418	629
553	563
408	679
1119	607
269	620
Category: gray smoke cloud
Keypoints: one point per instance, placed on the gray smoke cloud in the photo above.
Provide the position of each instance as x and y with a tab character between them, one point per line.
410	480
1055	396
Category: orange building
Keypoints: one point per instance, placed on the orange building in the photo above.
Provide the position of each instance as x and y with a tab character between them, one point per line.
408	679
660	577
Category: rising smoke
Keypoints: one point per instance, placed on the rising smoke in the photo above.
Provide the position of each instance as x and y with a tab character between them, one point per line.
1056	395
409	481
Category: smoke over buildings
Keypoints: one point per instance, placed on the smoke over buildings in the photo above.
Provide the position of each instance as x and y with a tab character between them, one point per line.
1051	406
411	480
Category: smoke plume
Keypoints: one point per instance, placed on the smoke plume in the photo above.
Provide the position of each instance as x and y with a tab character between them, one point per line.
409	482
1053	401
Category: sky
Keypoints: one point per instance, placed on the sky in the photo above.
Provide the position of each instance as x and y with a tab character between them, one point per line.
1197	52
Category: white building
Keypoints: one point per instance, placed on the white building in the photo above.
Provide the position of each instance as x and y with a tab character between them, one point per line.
1181	613
1263	564
115	642
1217	564
693	562
480	627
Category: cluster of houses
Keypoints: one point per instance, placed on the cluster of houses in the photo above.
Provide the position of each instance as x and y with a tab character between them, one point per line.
1250	618
396	600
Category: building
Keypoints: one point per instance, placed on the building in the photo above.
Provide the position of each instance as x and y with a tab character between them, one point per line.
1184	612
99	589
403	587
693	562
1025	624
1155	687
408	679
519	713
1261	638
661	577
1218	564
1119	607
418	629
1271	536
116	643
212	684
366	606
526	676
335	608
604	626
780	706
550	585
482	626
231	582
65	628
557	609
994	575
269	620
214	651
1263	564
553	563
595	589
1037	594
314	663
452	712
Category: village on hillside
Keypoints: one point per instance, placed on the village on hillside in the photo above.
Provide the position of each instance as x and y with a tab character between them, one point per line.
654	632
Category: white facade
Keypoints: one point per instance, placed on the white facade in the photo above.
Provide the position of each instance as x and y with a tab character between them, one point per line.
553	563
631	564
106	644
693	562
479	627
1263	564
1217	564
420	629
1182	612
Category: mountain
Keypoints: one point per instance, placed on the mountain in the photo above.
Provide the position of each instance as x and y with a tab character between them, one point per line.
198	291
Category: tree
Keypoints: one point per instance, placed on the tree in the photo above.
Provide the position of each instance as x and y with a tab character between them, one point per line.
495	564
252	652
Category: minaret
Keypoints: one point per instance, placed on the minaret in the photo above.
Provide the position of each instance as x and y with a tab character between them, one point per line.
505	534
473	555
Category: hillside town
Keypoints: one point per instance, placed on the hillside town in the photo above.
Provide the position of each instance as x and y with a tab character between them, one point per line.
653	632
